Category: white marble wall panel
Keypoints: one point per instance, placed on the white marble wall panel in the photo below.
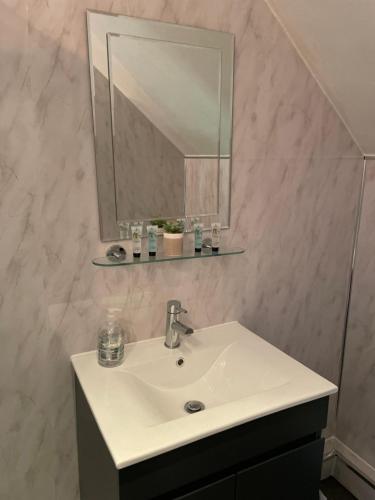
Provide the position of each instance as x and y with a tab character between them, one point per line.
302	269
293	207
356	419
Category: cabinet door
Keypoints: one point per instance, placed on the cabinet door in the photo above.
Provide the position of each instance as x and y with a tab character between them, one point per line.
224	489
294	475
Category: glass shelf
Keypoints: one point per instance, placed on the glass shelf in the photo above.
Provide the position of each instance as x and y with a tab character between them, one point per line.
160	257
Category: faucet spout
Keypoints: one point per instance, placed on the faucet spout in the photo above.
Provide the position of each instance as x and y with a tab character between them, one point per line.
173	326
181	328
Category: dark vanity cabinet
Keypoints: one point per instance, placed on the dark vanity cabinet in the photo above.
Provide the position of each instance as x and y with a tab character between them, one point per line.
275	457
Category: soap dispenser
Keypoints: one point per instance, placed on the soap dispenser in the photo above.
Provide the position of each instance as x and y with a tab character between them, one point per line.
111	340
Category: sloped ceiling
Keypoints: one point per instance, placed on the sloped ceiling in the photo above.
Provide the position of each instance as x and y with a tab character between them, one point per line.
336	38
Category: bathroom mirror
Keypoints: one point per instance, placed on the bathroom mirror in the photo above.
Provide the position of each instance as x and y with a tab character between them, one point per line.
162	108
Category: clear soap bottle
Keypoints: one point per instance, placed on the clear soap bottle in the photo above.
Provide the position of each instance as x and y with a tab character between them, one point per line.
111	340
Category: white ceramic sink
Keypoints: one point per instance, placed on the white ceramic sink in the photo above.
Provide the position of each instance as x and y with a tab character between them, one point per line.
139	406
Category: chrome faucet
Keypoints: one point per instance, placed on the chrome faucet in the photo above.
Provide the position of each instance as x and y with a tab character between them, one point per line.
173	326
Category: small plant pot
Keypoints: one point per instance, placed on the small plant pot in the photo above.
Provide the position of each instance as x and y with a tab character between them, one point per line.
173	244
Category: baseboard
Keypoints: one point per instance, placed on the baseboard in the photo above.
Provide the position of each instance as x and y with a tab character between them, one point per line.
349	469
329	458
329	446
352	481
328	467
355	461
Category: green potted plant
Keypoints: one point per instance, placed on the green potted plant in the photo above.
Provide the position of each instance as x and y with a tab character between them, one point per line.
173	237
160	223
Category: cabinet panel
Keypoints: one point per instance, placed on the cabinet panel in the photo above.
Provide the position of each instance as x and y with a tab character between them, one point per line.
294	475
227	450
225	489
294	470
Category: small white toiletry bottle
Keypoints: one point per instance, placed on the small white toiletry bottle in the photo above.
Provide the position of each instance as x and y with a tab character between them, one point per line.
215	235
198	229
152	239
137	239
111	340
124	228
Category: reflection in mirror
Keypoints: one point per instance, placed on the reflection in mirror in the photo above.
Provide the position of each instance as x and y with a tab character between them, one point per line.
162	105
152	136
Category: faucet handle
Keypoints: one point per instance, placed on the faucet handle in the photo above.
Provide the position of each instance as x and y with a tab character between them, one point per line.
181	310
174	307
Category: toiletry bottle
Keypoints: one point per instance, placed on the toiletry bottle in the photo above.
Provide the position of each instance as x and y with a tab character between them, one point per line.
124	229
137	239
215	235
152	239
198	228
111	340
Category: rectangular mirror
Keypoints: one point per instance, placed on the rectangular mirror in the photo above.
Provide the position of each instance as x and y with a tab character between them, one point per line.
162	108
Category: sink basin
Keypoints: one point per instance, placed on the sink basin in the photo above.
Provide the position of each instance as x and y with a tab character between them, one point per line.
139	406
206	368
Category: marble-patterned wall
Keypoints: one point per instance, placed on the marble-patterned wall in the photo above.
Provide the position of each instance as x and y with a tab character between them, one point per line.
355	425
149	169
296	176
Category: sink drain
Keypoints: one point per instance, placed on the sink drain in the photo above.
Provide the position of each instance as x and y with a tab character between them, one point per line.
194	406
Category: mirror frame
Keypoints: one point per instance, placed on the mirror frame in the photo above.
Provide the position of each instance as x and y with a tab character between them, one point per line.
190	35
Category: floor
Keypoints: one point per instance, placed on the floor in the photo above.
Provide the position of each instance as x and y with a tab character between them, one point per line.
334	491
